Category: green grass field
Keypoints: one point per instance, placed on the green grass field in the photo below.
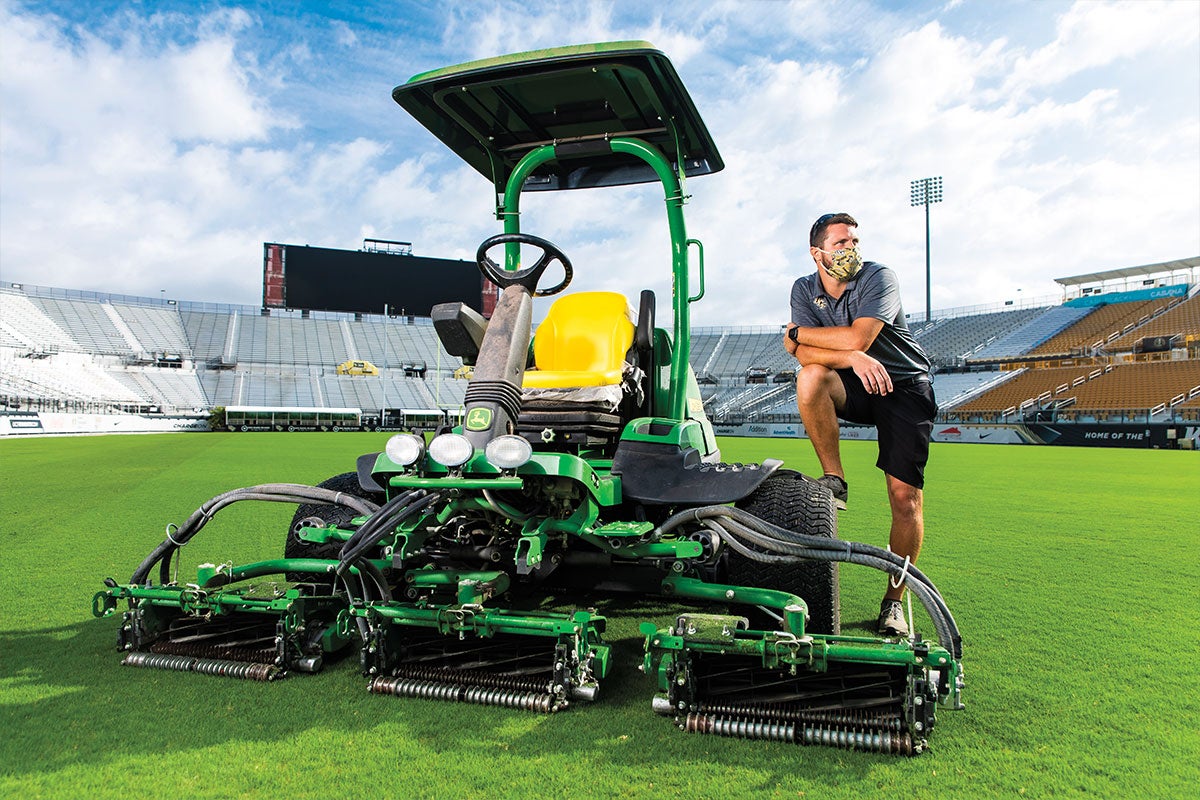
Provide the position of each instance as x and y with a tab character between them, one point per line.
1073	574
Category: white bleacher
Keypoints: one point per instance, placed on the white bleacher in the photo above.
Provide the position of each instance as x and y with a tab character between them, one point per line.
370	342
87	323
205	333
738	351
169	388
158	330
66	376
704	343
26	325
289	340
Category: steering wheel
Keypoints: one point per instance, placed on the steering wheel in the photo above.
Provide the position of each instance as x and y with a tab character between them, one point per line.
524	277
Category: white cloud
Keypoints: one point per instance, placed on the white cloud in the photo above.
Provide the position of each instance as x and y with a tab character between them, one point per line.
344	35
1093	34
161	151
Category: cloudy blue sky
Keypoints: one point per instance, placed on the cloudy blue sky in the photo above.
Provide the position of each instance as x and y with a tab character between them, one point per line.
148	146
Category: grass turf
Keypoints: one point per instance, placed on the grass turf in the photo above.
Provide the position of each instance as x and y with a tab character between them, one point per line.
1072	573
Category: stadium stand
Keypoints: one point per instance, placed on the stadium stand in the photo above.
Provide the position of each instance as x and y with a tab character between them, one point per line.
87	324
1092	330
113	353
206	332
26	325
704	342
1134	386
1182	320
157	330
65	376
950	341
1024	390
1031	333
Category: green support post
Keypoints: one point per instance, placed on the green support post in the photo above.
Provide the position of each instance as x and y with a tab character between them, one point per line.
510	214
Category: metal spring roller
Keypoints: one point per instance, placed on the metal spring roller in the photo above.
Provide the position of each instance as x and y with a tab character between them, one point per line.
878	741
846	717
256	656
471	677
206	666
456	692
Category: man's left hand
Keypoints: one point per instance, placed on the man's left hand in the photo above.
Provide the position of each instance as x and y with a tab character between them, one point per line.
874	377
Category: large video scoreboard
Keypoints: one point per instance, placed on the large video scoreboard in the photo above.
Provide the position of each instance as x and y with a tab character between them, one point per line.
365	281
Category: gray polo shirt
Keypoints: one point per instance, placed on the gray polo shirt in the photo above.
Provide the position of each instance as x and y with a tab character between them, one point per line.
874	292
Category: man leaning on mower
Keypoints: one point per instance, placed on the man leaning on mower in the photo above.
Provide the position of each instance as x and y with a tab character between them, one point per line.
860	363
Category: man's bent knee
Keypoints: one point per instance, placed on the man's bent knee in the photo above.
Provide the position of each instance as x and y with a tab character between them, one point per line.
815	382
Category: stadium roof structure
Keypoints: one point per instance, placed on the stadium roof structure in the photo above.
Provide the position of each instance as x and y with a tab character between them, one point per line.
1179	265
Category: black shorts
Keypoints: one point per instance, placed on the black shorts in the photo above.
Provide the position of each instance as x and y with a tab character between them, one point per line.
904	418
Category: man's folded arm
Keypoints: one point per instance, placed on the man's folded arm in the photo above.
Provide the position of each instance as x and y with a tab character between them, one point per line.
858	335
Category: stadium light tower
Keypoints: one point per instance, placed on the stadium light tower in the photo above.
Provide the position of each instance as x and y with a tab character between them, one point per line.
924	192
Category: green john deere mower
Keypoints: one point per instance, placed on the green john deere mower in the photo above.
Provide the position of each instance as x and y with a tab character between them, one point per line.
584	460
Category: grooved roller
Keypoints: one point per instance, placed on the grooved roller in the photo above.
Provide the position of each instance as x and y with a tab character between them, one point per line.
465	693
205	666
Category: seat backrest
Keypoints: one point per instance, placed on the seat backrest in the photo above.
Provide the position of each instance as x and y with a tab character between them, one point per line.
586	332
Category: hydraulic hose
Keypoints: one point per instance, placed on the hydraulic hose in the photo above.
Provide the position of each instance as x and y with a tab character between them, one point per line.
373	524
270	492
350	554
743	532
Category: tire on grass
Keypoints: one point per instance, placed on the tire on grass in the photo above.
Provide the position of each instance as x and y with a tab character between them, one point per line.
295	547
796	502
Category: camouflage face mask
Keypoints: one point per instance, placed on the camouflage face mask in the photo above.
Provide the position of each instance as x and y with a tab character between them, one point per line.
845	264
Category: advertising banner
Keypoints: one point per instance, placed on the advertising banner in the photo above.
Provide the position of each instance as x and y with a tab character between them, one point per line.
1132	435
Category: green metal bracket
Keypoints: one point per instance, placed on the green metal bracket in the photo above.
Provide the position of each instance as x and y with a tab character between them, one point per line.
471	587
531	546
325	535
624	529
793	609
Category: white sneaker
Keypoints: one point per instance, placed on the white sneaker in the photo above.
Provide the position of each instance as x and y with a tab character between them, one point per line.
891	619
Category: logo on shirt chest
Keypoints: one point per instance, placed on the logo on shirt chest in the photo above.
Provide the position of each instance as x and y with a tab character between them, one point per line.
820	302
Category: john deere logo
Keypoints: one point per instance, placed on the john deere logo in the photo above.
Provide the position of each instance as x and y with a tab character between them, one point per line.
480	419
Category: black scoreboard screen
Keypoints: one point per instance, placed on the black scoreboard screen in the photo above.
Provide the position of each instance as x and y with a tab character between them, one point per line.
364	281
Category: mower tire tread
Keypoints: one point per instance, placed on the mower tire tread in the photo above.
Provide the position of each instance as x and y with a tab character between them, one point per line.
295	547
796	502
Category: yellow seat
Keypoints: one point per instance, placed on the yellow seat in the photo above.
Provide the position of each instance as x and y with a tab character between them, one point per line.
582	342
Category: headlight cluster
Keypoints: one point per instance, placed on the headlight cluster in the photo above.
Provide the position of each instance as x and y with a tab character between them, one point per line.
453	450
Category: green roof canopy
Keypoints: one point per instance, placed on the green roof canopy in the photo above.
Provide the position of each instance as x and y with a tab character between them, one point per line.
492	112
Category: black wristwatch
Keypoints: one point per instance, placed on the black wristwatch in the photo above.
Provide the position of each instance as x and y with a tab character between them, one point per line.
793	334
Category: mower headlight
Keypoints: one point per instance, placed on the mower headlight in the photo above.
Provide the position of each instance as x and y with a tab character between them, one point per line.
404	449
508	452
451	450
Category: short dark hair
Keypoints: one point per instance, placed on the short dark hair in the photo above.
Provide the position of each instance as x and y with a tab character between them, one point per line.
816	237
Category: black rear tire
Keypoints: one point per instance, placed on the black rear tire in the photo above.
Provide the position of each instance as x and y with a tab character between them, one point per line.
294	547
796	502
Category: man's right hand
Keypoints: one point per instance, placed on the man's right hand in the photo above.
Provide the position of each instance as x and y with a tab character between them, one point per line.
788	344
874	377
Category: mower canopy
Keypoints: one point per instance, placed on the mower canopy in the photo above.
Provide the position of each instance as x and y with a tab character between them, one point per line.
494	111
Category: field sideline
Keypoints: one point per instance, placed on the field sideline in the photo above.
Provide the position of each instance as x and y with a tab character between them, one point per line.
1072	572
